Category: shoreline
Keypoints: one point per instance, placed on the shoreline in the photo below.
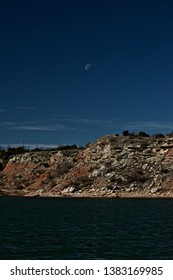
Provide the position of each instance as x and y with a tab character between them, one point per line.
89	196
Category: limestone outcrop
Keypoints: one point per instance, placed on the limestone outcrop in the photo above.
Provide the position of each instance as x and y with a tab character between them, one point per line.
112	166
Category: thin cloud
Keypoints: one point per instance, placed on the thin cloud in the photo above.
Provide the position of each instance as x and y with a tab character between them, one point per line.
117	123
37	127
81	124
2	110
151	125
84	121
25	109
41	127
7	124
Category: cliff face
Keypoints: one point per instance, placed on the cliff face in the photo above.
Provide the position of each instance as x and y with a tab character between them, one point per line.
112	166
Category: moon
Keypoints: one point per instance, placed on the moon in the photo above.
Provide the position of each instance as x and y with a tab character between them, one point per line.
88	66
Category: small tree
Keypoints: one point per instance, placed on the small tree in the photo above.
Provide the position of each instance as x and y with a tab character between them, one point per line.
125	133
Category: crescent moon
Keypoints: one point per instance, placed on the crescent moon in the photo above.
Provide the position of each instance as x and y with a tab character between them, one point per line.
87	66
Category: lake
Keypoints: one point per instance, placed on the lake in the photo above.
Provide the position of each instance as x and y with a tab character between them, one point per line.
85	228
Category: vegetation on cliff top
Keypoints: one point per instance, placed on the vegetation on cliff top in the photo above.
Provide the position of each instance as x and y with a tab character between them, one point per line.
11	151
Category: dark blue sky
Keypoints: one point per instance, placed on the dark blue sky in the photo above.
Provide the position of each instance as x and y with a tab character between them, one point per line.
49	97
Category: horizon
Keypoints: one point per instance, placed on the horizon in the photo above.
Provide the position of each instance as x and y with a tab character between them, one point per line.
42	146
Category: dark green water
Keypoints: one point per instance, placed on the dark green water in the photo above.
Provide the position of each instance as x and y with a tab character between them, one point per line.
57	228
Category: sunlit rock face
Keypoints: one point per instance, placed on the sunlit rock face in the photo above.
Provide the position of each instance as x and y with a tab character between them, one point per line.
112	166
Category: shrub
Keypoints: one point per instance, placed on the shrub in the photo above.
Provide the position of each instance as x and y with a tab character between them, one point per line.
170	134
67	147
159	135
143	134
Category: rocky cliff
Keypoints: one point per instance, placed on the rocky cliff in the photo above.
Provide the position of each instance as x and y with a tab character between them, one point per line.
112	166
